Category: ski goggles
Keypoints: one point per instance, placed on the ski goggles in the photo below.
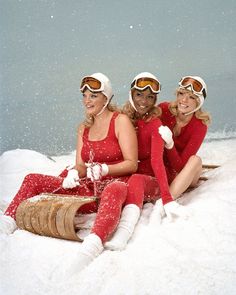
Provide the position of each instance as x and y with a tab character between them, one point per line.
92	84
143	83
196	85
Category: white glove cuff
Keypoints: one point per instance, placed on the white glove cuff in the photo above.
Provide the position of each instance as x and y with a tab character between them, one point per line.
105	169
170	145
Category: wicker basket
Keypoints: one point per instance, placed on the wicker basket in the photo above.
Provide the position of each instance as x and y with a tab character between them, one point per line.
51	215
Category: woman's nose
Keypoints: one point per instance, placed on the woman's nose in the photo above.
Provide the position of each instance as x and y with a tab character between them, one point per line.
185	97
86	99
143	99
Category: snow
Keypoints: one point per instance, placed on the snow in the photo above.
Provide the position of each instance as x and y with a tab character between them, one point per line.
193	256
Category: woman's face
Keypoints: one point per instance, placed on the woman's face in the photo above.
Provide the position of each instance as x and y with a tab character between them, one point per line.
93	102
144	100
186	101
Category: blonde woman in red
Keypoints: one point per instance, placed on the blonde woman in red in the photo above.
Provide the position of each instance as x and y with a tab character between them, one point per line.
106	153
184	131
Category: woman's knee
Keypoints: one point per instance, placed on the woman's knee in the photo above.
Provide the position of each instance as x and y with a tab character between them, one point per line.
195	162
115	190
136	179
32	177
196	166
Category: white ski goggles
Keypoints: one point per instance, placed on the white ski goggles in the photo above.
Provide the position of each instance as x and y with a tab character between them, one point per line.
92	84
143	83
195	85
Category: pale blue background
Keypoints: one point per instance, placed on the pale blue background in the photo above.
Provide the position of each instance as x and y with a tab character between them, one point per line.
47	46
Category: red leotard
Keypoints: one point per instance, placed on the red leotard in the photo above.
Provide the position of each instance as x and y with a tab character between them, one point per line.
144	186
186	144
111	191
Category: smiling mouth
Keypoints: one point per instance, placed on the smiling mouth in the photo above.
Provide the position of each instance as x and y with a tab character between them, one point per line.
89	106
142	107
183	106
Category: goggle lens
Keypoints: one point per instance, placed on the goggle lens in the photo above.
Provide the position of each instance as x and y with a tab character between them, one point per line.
196	85
92	83
143	83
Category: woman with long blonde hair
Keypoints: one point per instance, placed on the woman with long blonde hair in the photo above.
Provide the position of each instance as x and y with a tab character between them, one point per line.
106	156
184	131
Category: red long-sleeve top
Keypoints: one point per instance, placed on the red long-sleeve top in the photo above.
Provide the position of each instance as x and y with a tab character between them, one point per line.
151	148
186	144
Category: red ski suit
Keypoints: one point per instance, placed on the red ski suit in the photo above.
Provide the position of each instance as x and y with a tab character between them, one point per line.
186	144
151	181
112	191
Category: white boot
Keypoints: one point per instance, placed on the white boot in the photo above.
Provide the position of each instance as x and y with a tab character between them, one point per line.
90	249
128	220
7	225
67	269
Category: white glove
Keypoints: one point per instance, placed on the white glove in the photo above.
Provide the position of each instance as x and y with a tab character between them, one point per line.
7	225
174	209
96	171
71	180
158	213
166	135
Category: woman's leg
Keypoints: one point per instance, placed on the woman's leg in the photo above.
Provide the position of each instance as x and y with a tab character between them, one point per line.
188	177
140	187
33	184
112	199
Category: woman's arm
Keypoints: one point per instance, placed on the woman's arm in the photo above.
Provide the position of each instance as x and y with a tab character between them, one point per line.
196	137
127	139
80	166
157	149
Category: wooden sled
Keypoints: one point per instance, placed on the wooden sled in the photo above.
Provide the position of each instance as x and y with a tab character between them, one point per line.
207	167
51	215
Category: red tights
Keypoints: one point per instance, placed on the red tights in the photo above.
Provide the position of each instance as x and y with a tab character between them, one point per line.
112	198
142	188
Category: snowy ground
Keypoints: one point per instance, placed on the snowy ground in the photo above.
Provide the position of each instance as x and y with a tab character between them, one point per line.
194	256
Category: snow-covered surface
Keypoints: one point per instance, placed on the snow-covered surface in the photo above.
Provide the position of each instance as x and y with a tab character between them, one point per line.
194	256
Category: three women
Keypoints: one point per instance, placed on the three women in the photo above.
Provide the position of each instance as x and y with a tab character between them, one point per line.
107	154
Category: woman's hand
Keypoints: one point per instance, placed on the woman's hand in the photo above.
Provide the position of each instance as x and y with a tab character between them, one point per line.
173	209
166	135
96	171
71	180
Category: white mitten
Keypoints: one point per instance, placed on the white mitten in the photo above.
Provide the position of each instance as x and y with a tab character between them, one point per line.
71	180
166	135
174	209
96	171
158	213
7	225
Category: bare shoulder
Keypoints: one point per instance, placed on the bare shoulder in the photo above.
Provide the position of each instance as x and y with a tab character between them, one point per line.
123	119
81	128
123	125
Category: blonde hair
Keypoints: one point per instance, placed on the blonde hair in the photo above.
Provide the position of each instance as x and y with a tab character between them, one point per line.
199	114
